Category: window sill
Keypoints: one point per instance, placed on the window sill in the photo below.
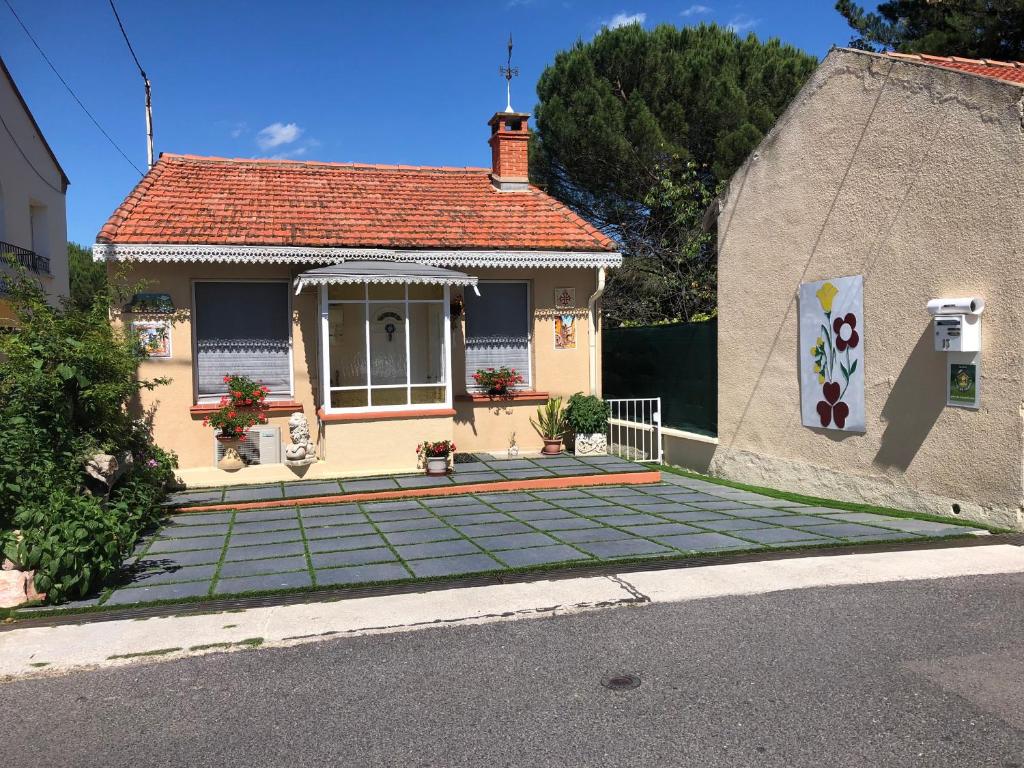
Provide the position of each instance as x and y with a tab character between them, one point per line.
527	396
273	406
423	413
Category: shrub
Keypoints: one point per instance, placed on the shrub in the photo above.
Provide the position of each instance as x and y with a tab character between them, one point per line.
68	382
586	414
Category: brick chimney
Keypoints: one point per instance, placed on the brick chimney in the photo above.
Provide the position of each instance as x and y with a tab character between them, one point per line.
510	139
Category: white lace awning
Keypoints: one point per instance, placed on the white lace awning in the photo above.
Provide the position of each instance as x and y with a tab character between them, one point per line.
377	272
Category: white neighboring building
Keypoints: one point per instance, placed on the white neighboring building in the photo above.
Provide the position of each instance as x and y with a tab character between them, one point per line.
33	222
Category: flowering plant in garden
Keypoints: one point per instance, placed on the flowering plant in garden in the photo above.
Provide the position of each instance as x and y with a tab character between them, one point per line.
497	381
441	449
241	409
838	335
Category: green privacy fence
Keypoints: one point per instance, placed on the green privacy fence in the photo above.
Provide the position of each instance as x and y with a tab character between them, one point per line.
678	363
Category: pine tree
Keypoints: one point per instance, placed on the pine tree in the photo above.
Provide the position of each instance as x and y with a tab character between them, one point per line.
635	131
984	29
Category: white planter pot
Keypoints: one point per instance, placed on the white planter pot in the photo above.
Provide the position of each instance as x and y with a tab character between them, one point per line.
590	445
437	465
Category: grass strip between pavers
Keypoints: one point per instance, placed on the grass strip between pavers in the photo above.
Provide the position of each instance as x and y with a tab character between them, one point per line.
817	501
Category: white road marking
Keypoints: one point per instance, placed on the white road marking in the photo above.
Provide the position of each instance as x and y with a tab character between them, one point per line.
51	650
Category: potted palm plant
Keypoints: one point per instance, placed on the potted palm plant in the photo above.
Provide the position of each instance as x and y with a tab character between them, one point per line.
550	425
586	417
435	456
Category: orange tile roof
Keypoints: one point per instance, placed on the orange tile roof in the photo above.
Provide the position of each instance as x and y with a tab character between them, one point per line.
186	199
1011	71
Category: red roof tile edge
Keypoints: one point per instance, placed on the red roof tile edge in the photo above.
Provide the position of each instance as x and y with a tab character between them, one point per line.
1006	71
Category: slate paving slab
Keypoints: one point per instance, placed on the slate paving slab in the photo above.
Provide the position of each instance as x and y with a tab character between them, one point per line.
200	518
522	506
361	574
422	536
414	524
264	550
843	530
706	542
260	526
450	501
477	477
294	490
565	524
736	524
437	549
559	553
567	494
177	573
623	548
268	582
423	481
527	474
464	467
661	529
452	566
261	515
161	546
339	531
254	494
377	484
174	591
593	534
929	528
269	537
478	517
349	542
861	517
777	535
492	529
197	497
352	557
544	514
501	465
179	559
260	567
624	520
514	541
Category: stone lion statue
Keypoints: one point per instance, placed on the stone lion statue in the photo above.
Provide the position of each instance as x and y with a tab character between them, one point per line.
302	450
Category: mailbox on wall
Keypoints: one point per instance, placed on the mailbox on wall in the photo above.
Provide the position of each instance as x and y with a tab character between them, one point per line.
957	331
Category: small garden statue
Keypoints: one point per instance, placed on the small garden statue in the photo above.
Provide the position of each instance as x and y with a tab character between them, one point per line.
302	450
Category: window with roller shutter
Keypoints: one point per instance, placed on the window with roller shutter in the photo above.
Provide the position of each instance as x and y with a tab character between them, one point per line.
242	328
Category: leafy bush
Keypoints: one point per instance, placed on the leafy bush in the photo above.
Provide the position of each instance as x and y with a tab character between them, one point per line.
586	414
68	382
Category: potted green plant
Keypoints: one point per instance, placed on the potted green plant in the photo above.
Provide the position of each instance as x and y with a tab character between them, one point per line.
550	425
497	382
435	456
586	417
241	409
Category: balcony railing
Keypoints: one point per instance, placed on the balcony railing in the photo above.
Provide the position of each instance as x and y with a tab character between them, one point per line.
30	260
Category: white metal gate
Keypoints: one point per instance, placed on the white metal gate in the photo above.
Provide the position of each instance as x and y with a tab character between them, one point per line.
634	428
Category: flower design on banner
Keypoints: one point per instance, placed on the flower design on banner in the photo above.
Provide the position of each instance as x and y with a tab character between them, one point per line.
845	329
831	350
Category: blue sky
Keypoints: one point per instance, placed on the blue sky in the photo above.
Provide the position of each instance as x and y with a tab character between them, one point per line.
391	81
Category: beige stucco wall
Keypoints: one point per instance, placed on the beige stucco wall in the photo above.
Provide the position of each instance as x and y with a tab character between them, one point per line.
489	425
27	180
913	177
367	445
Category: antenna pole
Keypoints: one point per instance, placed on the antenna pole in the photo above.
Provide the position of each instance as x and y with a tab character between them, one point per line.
149	123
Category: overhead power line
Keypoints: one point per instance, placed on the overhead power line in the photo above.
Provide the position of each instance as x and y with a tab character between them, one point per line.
69	89
145	82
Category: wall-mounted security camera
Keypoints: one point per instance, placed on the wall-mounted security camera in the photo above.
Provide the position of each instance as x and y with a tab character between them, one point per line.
957	323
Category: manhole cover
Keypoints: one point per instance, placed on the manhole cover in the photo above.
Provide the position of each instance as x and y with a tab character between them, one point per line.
621	682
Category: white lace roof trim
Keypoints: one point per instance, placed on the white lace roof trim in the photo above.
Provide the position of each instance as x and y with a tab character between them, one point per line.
260	254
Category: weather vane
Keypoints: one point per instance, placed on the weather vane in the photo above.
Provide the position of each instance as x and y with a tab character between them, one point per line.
508	72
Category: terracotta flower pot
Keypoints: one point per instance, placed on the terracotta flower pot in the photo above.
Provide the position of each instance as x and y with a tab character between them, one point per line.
230	461
437	466
552	447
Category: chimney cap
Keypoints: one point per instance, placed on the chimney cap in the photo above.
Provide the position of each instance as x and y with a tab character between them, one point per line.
504	116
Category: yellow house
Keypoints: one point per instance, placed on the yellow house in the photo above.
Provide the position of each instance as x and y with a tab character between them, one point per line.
363	296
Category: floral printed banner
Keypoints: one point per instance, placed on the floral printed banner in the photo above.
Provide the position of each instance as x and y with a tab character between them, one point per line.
832	353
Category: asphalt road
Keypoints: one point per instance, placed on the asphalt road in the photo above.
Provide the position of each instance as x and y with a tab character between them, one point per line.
913	674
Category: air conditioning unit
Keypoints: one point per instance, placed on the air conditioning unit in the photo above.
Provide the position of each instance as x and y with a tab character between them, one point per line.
261	446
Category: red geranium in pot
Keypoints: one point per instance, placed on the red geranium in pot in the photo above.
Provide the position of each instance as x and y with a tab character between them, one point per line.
435	456
241	409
